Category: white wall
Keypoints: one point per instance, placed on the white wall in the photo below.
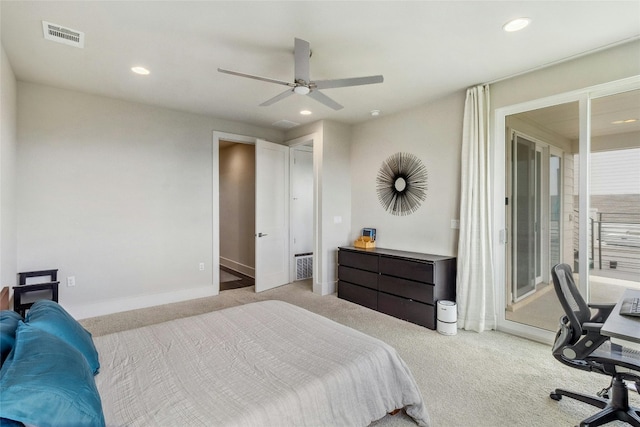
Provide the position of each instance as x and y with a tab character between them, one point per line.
601	67
8	160
332	171
433	133
336	197
118	195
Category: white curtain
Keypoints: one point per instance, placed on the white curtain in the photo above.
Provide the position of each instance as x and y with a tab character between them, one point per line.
475	279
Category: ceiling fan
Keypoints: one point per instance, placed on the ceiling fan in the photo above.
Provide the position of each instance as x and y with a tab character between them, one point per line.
302	83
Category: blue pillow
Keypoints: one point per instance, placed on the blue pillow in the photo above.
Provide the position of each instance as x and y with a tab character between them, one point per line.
8	325
51	317
47	382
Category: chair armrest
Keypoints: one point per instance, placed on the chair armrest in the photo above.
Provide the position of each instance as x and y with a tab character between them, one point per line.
591	340
604	310
592	327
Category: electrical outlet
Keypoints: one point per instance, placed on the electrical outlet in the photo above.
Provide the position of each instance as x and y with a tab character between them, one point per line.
71	281
201	266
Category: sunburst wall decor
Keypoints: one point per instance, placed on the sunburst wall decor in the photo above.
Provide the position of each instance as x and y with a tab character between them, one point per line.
401	184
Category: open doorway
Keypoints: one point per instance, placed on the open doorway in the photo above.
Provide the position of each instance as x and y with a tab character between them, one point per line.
237	179
272	232
301	244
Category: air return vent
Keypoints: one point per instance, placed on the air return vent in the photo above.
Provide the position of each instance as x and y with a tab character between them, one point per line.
304	266
60	34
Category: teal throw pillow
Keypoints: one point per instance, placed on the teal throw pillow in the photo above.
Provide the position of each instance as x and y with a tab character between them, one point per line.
8	325
47	382
51	317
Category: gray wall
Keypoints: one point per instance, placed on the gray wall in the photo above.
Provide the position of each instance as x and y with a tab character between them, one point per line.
8	160
433	133
118	195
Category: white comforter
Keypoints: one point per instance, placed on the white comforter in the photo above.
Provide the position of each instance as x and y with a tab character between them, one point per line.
262	364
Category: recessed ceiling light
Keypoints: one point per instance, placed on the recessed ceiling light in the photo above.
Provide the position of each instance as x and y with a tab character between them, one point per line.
375	113
140	70
516	24
305	112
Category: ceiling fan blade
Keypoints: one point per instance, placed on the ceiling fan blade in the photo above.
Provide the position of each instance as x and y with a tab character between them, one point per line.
277	98
251	76
354	81
301	53
324	99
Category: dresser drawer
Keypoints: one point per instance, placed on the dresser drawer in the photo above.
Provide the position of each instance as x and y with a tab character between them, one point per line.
422	292
358	277
363	296
409	310
412	270
363	261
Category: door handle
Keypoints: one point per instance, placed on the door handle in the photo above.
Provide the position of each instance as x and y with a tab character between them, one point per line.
262	234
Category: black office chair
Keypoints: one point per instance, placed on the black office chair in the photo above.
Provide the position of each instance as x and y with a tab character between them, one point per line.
579	344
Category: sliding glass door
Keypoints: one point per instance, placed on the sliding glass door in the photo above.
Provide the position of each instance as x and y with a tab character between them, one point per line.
614	196
572	195
524	213
555	208
535	203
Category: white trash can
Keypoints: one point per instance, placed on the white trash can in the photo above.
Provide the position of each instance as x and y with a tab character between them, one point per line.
447	315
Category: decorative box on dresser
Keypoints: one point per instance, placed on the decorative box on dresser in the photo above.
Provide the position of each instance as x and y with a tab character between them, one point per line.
406	285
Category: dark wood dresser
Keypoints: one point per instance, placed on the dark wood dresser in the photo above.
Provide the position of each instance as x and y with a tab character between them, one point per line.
406	285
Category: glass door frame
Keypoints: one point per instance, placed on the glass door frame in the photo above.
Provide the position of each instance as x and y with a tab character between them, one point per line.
526	237
583	97
540	181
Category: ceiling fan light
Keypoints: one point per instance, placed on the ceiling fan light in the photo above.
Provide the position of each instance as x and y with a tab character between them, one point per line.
301	90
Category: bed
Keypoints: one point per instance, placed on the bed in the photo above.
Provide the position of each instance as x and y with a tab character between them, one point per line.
267	363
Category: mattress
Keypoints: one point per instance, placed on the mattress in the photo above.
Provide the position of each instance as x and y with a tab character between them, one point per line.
267	363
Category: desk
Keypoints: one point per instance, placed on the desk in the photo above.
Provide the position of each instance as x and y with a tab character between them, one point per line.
623	327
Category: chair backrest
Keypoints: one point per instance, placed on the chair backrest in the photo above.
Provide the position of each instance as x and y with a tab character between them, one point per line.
575	307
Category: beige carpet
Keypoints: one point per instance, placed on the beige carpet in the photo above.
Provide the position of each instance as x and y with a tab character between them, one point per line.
543	308
490	379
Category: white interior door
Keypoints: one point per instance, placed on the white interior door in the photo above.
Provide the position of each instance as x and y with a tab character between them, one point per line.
272	215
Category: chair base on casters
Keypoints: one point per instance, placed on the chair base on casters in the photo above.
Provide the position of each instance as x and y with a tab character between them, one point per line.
617	408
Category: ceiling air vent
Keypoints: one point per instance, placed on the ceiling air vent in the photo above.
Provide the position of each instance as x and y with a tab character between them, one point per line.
286	124
60	34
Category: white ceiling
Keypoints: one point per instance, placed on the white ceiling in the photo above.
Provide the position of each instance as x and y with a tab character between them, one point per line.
424	49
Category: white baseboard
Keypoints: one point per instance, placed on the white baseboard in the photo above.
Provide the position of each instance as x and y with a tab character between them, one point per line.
117	305
239	267
323	289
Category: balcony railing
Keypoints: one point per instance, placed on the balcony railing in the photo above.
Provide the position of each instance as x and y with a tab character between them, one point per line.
614	241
